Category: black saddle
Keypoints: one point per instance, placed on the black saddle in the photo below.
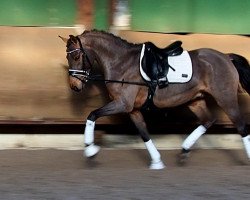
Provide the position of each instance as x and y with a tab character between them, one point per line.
155	61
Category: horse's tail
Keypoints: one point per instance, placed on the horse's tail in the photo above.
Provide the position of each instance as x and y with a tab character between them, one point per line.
243	68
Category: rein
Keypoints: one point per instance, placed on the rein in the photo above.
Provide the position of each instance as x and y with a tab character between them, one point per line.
86	74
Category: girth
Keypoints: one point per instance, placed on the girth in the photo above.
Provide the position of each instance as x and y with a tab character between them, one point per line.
155	61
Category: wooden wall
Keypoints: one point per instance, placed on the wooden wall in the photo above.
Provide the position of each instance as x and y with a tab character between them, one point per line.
34	78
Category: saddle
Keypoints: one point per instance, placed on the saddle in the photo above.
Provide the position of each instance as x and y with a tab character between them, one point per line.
155	61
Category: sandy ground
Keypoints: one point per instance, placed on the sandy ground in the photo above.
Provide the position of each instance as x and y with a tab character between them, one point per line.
122	174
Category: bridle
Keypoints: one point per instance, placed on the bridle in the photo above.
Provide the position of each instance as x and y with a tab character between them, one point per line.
76	73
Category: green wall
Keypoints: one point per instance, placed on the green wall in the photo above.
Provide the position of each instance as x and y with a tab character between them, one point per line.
37	12
49	13
101	14
170	16
201	16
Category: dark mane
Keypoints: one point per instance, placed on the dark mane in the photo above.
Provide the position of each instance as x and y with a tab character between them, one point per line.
104	33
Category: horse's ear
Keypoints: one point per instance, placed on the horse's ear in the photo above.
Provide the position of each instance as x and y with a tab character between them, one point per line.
73	39
63	39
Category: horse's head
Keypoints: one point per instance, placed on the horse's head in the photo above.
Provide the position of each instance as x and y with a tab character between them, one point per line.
80	60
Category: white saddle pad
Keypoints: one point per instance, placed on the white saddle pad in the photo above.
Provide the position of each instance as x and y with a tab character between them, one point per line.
181	64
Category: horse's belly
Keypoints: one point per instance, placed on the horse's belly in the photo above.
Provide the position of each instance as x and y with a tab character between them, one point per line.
169	99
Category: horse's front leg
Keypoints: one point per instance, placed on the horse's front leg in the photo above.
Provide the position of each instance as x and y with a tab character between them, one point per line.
113	107
156	162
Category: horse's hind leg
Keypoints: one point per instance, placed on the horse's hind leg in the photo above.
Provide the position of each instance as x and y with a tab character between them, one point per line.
137	118
231	107
199	108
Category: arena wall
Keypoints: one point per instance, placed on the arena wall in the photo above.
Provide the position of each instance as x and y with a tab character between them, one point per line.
34	78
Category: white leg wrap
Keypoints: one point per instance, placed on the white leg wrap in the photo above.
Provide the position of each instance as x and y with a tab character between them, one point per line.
193	137
246	142
89	132
91	149
156	162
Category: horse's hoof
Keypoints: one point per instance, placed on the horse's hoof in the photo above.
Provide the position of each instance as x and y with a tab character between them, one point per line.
182	158
91	150
157	165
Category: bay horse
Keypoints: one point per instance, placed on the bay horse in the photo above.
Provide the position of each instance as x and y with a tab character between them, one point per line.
214	73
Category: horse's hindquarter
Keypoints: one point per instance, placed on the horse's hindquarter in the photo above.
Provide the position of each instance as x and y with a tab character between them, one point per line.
219	72
213	72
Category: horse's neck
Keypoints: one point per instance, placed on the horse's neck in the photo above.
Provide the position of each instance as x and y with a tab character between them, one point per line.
106	48
110	53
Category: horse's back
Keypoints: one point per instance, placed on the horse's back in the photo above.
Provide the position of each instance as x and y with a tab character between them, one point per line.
208	53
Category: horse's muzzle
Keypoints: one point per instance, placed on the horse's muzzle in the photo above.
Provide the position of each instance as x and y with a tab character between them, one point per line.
75	84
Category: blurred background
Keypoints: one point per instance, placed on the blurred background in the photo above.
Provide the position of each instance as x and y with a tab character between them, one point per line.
34	80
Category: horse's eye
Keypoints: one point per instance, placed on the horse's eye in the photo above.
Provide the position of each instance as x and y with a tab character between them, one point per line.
77	57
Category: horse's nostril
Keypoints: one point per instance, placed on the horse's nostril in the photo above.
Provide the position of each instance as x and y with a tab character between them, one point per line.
76	89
